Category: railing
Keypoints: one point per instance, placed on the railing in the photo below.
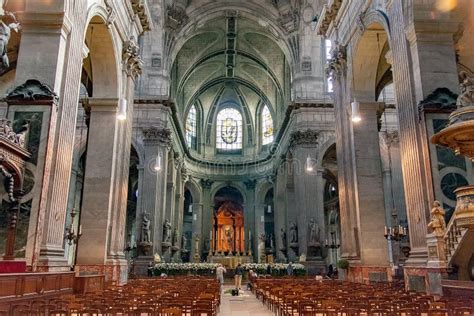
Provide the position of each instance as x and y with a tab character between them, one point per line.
453	237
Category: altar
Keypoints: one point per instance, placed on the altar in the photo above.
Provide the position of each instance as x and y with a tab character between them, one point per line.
230	262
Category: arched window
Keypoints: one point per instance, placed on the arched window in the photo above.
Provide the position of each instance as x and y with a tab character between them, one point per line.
229	129
191	128
267	126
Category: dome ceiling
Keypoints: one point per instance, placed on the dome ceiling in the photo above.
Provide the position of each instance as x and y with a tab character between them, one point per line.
231	53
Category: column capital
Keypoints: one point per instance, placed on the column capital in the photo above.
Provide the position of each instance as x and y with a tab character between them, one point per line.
132	61
206	183
102	104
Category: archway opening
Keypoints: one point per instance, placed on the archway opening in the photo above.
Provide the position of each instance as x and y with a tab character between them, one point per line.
228	232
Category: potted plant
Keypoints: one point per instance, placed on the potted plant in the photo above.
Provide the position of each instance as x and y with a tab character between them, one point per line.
342	266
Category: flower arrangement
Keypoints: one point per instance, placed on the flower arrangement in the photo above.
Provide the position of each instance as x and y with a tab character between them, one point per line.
184	268
277	269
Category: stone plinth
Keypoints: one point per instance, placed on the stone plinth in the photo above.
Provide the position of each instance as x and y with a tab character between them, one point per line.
436	251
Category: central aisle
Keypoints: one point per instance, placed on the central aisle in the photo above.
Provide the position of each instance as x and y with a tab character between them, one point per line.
243	305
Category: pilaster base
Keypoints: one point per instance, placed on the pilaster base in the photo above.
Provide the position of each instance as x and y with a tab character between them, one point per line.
425	280
314	267
116	271
52	264
367	274
140	267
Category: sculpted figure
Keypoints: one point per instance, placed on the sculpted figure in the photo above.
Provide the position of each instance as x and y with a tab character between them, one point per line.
313	231
283	237
466	97
184	241
437	223
146	229
167	231
8	23
293	233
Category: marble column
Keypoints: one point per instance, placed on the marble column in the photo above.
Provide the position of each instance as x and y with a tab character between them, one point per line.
259	229
369	186
254	219
280	215
170	204
98	212
207	211
51	52
197	226
157	142
414	163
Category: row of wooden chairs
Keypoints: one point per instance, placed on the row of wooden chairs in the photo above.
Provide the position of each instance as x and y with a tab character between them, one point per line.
188	296
289	297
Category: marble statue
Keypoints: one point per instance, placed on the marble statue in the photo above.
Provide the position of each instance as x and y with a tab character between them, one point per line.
313	232
8	23
146	237
166	231
175	238
466	97
283	237
230	239
293	233
437	223
184	241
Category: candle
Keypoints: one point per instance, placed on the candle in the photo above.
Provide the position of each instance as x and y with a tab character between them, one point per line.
385	231
80	230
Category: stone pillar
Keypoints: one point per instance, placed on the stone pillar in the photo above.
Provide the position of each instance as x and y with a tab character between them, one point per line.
337	69
197	226
207	213
308	209
51	52
179	216
170	204
98	213
151	198
369	186
415	170
259	230
281	246
254	219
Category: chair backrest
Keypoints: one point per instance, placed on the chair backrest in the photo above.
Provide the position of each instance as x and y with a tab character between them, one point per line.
58	312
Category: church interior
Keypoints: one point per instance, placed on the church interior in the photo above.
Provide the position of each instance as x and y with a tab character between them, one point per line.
322	150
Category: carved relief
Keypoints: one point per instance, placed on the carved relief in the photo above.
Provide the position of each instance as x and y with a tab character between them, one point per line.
466	98
8	23
337	64
32	90
156	135
176	18
132	61
307	137
206	183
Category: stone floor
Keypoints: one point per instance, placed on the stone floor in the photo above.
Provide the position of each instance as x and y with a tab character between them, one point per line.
243	305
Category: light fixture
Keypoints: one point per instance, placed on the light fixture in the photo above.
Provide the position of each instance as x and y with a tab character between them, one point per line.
355	106
269	209
309	164
190	208
122	112
158	163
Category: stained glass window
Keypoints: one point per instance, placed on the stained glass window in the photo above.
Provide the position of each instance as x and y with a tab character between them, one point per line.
229	129
191	128
267	126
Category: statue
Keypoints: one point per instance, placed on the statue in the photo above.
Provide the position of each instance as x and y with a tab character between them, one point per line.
466	97
146	229
437	223
230	238
283	238
166	231
8	23
313	232
293	233
175	238
184	241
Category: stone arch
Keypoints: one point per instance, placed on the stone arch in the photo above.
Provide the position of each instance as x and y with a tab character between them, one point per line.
237	186
366	47
195	190
262	191
104	48
323	149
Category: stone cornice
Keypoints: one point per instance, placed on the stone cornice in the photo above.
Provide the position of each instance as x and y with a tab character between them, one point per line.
328	14
141	10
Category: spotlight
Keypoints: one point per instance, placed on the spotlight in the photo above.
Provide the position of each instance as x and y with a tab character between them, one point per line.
122	112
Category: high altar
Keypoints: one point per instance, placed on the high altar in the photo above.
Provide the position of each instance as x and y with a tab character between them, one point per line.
228	236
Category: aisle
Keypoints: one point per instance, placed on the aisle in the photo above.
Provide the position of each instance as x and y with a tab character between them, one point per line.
243	305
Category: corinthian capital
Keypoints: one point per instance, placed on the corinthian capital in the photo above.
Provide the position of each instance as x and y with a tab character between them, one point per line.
132	60
337	64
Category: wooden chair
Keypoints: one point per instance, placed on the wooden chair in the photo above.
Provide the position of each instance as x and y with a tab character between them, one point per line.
58	312
438	312
89	312
462	311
